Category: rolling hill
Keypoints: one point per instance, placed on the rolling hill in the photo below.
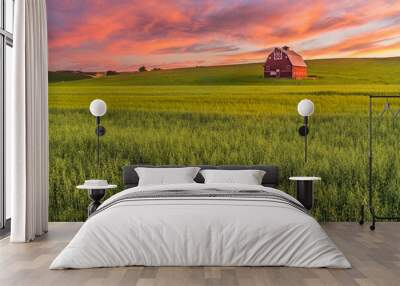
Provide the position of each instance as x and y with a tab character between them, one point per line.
328	71
61	76
229	115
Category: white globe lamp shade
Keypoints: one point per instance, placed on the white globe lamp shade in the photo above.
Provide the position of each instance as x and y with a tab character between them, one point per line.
305	107
98	107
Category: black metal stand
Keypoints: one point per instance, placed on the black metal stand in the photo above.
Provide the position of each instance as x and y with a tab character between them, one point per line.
375	217
305	193
95	195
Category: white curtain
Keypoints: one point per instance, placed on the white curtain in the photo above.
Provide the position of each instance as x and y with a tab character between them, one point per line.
27	124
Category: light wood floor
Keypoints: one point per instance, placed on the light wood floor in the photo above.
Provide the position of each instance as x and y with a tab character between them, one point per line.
375	257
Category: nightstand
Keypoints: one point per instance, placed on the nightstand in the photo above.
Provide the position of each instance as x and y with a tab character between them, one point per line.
305	190
96	191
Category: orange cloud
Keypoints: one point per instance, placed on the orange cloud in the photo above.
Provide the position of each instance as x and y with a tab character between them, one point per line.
132	32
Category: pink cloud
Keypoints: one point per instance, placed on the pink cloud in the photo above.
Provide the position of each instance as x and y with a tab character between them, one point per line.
361	44
93	34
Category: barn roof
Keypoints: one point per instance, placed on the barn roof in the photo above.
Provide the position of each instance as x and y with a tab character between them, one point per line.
294	58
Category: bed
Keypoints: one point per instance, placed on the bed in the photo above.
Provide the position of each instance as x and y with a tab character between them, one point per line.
198	224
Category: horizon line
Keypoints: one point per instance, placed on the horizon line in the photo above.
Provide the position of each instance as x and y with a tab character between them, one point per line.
218	65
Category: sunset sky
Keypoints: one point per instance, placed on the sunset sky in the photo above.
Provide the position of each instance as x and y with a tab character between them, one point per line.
97	35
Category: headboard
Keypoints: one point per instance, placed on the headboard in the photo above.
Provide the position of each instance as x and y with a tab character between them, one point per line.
130	177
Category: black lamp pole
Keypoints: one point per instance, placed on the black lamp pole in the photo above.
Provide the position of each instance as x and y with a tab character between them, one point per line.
303	131
305	138
100	131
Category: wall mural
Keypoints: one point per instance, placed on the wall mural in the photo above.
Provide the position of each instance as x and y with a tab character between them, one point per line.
218	82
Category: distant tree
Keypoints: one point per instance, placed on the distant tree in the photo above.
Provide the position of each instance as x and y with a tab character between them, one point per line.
156	69
142	69
111	73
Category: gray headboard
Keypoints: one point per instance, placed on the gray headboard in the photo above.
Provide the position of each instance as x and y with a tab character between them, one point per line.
131	179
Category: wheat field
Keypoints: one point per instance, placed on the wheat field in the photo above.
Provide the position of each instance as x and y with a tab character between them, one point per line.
230	115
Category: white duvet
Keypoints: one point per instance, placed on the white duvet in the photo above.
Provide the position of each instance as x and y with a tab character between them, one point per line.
200	231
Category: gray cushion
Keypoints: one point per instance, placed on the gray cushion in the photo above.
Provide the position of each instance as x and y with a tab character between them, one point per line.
270	179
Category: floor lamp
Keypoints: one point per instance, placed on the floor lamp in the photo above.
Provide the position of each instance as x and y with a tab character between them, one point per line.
305	109
98	108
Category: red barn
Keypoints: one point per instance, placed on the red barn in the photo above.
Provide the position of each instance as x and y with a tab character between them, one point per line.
283	62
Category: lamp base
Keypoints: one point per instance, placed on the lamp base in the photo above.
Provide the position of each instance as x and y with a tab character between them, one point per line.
100	130
303	130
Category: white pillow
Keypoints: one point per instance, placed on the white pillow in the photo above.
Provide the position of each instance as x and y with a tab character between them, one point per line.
166	176
248	177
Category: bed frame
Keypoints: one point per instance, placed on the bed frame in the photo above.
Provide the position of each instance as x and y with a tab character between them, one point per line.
131	179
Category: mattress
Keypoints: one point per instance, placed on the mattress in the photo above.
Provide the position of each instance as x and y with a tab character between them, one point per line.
201	225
